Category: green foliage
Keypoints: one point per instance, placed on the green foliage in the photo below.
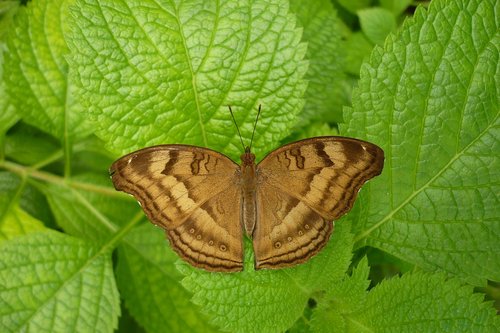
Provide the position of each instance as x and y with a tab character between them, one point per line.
123	75
442	167
50	282
440	304
376	24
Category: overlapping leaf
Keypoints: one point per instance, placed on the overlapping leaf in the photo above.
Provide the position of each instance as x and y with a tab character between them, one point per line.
430	99
164	72
54	283
149	284
325	90
268	301
416	302
35	70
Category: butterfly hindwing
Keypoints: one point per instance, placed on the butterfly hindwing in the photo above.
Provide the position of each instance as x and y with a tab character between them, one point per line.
211	237
303	187
292	233
184	189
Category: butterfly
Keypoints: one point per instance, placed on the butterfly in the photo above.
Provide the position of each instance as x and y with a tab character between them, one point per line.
286	203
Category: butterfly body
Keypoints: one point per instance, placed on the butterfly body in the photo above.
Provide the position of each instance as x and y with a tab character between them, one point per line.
248	192
286	203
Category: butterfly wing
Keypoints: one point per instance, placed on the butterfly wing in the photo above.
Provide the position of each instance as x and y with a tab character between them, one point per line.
302	188
193	194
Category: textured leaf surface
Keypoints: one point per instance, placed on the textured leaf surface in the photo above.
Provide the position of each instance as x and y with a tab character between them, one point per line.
150	83
8	116
86	212
50	282
426	303
7	112
436	84
150	284
414	303
268	301
35	70
343	299
17	222
324	95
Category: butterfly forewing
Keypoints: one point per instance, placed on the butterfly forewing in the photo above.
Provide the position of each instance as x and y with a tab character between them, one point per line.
302	188
192	193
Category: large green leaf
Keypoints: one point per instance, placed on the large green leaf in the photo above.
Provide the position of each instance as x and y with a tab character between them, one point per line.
325	92
35	70
51	282
413	303
164	72
430	98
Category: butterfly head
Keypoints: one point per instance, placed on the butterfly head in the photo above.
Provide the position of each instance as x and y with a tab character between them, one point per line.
247	158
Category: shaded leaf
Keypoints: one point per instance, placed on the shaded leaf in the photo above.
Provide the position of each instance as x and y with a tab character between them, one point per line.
376	23
150	284
325	93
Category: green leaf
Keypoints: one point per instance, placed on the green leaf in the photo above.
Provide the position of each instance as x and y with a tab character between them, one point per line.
377	23
356	48
51	282
16	222
89	211
341	301
273	299
395	6
312	130
14	192
148	82
150	284
354	5
413	303
35	70
28	145
7	11
8	116
424	303
430	99
325	93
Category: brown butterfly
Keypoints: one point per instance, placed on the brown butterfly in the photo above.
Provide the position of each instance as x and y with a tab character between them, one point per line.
286	203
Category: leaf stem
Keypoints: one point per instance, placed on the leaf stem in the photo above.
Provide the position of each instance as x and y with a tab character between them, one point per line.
111	244
52	158
24	171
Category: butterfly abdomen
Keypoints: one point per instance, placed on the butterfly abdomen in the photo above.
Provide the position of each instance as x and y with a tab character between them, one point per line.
248	190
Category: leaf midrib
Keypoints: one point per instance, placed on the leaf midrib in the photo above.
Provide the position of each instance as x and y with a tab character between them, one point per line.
101	252
427	184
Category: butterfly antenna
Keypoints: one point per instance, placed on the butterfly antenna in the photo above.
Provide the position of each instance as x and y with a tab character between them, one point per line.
254	126
236	124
